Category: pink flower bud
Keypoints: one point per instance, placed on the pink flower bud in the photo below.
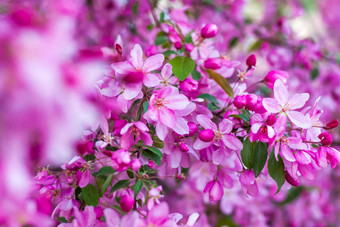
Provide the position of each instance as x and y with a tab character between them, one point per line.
209	31
291	180
213	63
189	47
184	147
326	138
133	77
272	76
126	203
215	190
193	128
251	101
119	49
99	212
178	45
240	101
151	163
152	50
271	120
121	160
207	135
251	61
332	124
136	164
189	85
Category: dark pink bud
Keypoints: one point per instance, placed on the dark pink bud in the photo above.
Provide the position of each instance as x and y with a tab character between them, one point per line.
209	31
99	212
240	101
178	45
184	147
119	49
251	61
193	128
126	203
152	50
332	124
136	164
189	85
189	47
326	138
251	101
291	180
151	163
271	120
213	63
207	135
272	76
133	77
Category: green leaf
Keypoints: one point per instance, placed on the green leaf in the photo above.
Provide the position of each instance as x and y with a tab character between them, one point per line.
188	38
137	187
154	150
220	80
169	52
276	170
208	97
62	220
104	170
337	57
260	157
195	74
135	8
182	66
161	17
152	156
145	106
157	142
213	107
120	184
314	73
292	195
90	195
129	172
256	45
89	157
161	40
233	42
247	153
106	184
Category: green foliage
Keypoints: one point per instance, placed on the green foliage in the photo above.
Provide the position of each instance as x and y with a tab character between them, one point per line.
247	153
90	195
220	80
260	157
182	66
120	184
276	170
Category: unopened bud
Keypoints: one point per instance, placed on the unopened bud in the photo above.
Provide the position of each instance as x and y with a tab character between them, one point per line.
183	147
213	63
209	31
271	120
207	135
240	101
178	45
291	180
332	124
119	49
189	47
326	138
126	203
251	61
193	128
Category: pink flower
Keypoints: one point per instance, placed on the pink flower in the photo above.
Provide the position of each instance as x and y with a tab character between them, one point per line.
215	190
154	196
158	216
248	182
121	160
274	75
167	107
140	70
220	136
127	202
261	130
134	132
281	103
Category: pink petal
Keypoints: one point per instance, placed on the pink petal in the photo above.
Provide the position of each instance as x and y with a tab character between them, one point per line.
247	177
225	126
166	71
158	214
151	80
167	117
218	156
122	103
175	158
127	140
141	126
111	91
280	92
125	128
271	132
216	192
199	144
255	127
176	102
271	105
287	153
298	100
153	62
302	157
132	90
205	122
137	56
231	142
181	127
299	119
122	67
111	217
161	131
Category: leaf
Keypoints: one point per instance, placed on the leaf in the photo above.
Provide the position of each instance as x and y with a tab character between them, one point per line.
106	184
220	80
276	170
247	154
120	184
62	220
233	42
137	187
157	142
208	97
182	66
188	38
129	172
135	8
161	17
152	156
314	73
260	157
212	106
168	53
160	40
292	195
154	150
90	195
145	106
256	45
195	74
104	170
337	58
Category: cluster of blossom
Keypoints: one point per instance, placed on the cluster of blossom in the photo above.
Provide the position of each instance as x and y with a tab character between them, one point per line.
161	135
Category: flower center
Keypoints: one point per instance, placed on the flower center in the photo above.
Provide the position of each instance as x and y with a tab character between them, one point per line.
159	103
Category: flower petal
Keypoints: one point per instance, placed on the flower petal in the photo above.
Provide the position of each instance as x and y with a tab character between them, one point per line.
176	102
153	62
280	92
167	117
231	142
151	80
132	90
225	126
166	71
299	119
287	153
271	105
205	122
137	56
199	144
298	100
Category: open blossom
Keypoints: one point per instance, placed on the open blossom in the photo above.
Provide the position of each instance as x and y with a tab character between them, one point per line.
134	132
167	107
138	71
281	103
261	128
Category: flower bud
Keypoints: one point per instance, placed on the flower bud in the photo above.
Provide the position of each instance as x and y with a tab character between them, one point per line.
326	139
189	85
271	119
151	163
251	101
215	190
251	61
332	124
136	164
207	135
119	49
183	147
152	50
291	180
126	203
209	31
213	63
240	101
273	75
178	45
189	47
193	128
